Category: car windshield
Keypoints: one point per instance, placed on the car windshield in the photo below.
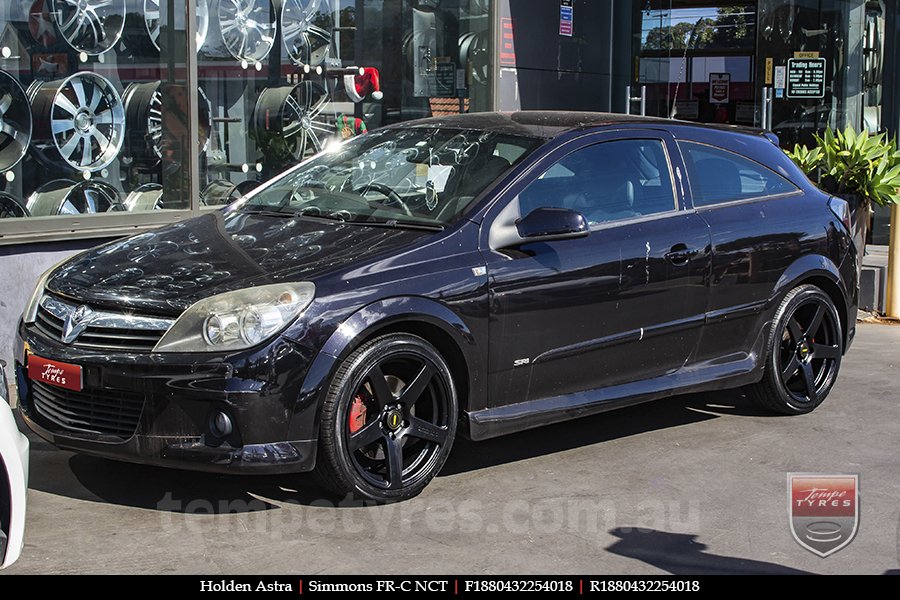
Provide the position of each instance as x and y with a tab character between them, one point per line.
417	176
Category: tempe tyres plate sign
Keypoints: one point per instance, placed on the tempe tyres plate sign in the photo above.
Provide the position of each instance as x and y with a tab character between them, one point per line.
824	510
806	78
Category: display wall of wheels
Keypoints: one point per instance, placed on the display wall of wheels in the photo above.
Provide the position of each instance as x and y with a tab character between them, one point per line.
81	117
15	122
67	197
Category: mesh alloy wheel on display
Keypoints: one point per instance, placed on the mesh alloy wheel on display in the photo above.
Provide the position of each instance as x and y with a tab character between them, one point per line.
151	21
66	197
11	207
289	122
306	27
15	122
248	28
89	26
86	120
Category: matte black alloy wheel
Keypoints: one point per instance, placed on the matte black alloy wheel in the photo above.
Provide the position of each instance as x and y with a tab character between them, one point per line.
810	350
805	349
389	420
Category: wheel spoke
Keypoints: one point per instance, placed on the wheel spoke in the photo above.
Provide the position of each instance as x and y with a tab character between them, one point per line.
790	368
809	380
394	451
380	389
816	321
423	430
366	436
825	351
795	330
414	389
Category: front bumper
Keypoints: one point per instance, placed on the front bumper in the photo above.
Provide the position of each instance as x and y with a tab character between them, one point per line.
172	401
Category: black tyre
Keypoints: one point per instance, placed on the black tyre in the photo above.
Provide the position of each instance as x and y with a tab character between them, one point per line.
389	420
804	353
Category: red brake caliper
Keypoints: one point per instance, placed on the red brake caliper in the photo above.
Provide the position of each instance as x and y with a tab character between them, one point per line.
357	414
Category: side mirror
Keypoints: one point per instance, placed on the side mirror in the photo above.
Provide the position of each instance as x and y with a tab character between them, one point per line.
546	224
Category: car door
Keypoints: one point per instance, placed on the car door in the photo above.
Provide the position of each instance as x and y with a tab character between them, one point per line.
622	304
754	234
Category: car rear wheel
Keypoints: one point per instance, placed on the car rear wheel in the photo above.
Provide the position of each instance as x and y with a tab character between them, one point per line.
804	353
389	420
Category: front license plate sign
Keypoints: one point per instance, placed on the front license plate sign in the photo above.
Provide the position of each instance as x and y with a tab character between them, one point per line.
53	372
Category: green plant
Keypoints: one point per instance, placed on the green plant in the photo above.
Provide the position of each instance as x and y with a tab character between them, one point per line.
846	162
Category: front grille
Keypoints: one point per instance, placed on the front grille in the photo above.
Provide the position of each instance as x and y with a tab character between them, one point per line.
111	331
105	412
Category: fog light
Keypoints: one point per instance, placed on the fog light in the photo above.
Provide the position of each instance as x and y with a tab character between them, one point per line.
221	425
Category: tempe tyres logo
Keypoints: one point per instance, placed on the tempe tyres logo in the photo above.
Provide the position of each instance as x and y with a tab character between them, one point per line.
824	510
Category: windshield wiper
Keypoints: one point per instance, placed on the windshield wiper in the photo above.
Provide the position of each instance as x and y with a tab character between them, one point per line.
399	224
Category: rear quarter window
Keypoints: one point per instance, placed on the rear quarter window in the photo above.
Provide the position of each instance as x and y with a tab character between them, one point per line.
718	176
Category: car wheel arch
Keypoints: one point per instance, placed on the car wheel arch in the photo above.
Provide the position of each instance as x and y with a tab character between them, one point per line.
426	318
816	270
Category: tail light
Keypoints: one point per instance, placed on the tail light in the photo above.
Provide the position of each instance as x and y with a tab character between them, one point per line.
841	210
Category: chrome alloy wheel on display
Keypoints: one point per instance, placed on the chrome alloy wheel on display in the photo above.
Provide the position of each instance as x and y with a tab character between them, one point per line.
220	192
289	122
15	122
146	197
86	119
152	19
66	197
306	27
90	26
144	121
248	28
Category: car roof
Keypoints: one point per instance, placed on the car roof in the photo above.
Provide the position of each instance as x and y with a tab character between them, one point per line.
548	124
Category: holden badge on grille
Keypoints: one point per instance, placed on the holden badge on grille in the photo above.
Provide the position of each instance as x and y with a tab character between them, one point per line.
76	322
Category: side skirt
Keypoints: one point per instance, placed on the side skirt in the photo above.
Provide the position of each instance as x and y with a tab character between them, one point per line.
723	373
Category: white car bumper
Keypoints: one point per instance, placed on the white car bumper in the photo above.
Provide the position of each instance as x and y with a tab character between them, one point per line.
14	467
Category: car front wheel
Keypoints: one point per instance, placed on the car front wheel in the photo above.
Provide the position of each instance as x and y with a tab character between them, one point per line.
388	421
804	353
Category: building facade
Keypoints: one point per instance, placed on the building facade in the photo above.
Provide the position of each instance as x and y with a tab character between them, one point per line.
121	115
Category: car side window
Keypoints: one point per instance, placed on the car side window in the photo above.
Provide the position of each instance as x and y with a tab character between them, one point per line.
605	182
717	176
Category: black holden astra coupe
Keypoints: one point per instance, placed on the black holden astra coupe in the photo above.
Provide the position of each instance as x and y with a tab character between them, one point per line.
476	275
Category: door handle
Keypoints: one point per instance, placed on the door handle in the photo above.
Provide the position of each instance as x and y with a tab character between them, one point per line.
680	254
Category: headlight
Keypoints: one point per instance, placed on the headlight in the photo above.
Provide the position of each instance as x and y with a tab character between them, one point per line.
237	320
